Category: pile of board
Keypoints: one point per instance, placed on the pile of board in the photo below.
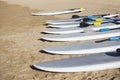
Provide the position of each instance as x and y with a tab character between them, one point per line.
101	33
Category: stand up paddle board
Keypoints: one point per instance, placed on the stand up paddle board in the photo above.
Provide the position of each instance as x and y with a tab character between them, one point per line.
84	63
70	20
82	36
77	24
59	12
80	29
75	21
86	47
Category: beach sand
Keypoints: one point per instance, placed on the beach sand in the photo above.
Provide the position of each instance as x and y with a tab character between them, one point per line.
20	33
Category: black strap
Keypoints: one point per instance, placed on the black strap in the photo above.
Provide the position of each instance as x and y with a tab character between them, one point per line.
87	19
75	16
118	50
84	24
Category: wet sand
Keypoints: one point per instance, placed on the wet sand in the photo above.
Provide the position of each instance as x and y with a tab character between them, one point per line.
20	45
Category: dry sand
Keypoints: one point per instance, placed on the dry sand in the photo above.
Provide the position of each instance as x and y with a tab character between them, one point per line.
92	7
20	45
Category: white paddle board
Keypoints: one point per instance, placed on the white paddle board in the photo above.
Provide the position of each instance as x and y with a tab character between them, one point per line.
61	21
92	62
77	24
59	12
82	36
79	29
85	48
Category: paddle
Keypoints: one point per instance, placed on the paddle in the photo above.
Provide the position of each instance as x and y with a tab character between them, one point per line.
116	38
99	22
89	16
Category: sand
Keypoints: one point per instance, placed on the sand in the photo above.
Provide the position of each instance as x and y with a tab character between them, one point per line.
20	45
92	7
